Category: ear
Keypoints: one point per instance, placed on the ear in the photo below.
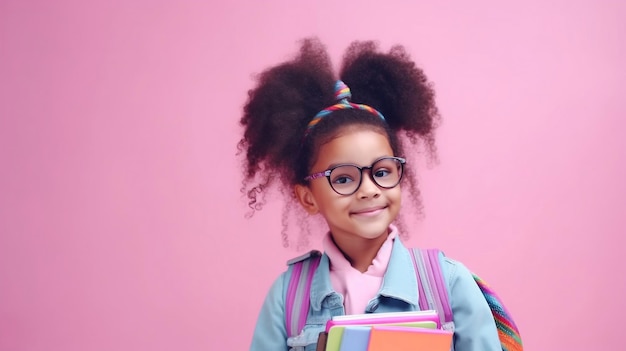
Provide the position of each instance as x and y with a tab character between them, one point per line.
306	199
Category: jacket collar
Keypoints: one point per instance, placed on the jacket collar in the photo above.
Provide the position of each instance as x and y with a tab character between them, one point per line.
399	281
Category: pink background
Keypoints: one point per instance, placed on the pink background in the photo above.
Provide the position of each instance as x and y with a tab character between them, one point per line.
121	221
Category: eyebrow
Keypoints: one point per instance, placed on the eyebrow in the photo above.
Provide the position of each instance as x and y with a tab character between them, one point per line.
332	165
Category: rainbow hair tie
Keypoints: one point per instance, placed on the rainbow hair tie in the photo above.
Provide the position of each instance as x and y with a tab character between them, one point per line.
343	95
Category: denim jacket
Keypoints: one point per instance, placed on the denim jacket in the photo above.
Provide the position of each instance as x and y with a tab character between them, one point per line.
475	329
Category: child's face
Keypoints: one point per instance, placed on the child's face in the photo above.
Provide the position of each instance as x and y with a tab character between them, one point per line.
367	213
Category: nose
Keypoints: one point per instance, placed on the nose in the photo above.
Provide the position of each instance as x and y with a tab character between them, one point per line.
368	188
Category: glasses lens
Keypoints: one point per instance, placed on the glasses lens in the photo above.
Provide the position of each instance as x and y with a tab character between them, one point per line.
387	172
345	179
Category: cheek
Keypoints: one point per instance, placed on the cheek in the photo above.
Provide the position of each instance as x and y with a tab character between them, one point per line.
326	198
332	200
395	194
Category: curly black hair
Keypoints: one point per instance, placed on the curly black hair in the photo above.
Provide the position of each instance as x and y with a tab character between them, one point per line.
288	95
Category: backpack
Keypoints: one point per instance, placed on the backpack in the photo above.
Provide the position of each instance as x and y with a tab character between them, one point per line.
433	295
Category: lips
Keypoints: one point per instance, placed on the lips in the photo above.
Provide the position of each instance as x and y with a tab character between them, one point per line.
370	211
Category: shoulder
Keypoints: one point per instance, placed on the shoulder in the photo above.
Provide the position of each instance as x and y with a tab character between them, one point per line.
305	257
462	287
451	269
297	264
281	283
456	272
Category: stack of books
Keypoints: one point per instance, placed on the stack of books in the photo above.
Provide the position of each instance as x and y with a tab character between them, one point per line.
397	331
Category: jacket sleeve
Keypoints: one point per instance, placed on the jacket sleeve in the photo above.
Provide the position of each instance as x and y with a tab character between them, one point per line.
270	333
475	328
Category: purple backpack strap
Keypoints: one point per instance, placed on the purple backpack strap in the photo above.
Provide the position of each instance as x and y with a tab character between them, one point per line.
298	297
434	295
432	288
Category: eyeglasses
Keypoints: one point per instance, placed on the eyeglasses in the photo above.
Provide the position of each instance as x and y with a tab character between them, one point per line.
345	179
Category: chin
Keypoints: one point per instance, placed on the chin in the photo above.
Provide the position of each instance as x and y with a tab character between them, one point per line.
374	232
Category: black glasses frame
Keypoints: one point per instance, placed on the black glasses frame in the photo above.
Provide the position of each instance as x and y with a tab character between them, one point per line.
327	173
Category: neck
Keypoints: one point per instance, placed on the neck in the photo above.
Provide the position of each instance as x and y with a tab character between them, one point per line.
361	252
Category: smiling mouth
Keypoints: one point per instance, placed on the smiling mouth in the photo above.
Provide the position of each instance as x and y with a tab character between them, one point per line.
369	211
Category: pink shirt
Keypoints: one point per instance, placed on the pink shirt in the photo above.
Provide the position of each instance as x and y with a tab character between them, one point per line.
357	288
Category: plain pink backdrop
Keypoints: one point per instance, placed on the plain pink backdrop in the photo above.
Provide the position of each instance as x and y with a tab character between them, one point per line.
121	221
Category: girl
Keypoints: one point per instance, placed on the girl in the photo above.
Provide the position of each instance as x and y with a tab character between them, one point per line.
337	147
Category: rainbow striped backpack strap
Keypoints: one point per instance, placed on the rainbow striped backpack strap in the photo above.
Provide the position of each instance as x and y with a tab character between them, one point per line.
433	294
298	299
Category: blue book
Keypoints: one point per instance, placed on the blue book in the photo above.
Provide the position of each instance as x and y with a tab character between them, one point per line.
355	338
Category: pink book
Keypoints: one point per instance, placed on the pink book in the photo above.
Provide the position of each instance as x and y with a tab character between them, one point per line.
384	318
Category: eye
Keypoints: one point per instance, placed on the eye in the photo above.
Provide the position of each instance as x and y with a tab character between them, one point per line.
342	179
381	172
346	174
